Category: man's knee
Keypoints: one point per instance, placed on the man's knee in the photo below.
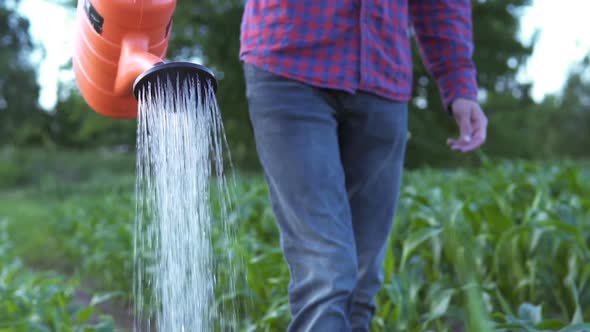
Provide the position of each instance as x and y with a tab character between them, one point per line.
322	281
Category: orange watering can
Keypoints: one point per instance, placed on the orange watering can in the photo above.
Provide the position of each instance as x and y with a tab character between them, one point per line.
120	46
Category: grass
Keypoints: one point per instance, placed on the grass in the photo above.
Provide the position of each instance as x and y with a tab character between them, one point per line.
504	247
41	182
43	301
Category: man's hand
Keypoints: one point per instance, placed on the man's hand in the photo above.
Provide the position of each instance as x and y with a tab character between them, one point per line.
473	125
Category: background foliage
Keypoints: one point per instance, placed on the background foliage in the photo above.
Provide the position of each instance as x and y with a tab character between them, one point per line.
208	32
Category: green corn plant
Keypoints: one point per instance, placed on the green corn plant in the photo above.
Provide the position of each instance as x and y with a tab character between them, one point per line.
33	301
503	247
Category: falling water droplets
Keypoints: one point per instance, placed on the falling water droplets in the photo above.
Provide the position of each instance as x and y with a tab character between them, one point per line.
180	150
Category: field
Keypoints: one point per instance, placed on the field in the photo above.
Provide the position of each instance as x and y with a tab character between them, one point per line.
507	243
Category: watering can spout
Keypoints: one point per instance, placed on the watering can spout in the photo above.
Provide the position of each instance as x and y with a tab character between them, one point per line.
135	59
119	49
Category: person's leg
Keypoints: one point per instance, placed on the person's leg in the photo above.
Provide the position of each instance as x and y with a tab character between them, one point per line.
296	137
373	133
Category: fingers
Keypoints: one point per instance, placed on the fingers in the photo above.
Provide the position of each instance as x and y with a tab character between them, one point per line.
464	119
478	138
480	130
473	127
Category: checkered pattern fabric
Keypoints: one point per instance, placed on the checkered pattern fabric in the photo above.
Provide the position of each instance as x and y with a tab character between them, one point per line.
362	44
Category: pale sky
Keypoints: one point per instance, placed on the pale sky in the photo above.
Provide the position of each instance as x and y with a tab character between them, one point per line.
563	26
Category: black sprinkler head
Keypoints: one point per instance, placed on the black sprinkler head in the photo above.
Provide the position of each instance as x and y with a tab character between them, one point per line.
176	72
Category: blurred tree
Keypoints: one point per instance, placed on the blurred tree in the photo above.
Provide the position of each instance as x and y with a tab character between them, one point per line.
568	131
75	125
576	94
557	127
21	119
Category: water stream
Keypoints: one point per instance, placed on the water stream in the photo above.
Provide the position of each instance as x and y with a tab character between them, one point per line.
180	165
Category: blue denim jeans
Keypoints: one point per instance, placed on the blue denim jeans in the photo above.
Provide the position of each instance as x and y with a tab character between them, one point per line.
333	162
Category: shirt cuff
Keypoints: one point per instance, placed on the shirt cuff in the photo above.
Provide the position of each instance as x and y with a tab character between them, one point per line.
458	84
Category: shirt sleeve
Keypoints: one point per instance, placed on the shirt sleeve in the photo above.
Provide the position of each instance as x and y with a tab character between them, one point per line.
444	34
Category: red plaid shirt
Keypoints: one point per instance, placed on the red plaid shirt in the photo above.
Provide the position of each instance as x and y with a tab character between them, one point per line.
362	44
